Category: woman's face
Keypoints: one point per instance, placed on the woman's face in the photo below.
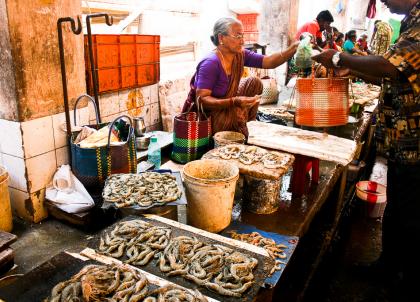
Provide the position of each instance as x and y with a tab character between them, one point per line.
234	40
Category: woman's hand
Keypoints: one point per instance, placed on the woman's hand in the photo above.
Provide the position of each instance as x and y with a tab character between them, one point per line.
246	101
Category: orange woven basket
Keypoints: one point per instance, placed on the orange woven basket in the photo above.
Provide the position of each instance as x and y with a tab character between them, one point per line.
322	102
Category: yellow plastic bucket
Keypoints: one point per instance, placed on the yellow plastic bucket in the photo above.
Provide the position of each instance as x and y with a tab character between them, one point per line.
210	189
6	223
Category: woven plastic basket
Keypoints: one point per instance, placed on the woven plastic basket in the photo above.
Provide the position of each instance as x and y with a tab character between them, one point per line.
322	102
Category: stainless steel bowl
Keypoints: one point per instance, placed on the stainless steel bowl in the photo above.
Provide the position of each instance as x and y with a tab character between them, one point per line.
142	142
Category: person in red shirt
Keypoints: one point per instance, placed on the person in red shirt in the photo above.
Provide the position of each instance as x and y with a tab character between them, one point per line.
330	38
316	27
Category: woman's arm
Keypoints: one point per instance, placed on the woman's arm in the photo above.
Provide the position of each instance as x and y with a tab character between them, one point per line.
276	59
210	102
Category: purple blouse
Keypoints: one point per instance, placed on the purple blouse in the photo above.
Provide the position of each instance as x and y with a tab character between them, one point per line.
210	74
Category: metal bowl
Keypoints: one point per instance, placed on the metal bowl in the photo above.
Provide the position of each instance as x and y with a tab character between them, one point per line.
142	142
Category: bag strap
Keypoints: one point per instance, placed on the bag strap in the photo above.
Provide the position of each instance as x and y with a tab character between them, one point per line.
94	106
200	109
130	132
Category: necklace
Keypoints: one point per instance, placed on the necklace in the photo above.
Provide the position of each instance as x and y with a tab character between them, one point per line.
223	61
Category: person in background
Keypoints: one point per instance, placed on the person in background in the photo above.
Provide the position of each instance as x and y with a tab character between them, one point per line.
398	138
350	44
315	28
362	43
229	100
381	38
330	38
339	42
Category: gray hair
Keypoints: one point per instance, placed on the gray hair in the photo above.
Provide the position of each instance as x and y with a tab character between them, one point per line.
222	27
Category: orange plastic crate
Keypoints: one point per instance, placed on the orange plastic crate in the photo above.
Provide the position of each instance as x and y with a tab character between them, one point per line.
249	22
123	61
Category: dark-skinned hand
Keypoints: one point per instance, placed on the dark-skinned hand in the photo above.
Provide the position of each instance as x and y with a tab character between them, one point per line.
325	58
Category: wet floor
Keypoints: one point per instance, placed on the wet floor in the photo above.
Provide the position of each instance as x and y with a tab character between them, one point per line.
343	275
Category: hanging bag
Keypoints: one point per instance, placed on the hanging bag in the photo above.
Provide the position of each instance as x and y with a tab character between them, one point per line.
93	165
270	93
322	102
192	133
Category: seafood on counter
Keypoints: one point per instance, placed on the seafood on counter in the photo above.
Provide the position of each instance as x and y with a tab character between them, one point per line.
117	283
145	189
216	267
249	155
278	112
138	239
276	251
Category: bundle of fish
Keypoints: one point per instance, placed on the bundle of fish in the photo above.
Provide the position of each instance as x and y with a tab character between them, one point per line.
213	266
145	189
276	251
117	283
249	155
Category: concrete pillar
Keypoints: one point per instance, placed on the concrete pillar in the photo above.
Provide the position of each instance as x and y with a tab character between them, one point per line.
32	143
278	21
8	104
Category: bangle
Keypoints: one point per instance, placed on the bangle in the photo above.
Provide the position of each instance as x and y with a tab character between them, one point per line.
231	102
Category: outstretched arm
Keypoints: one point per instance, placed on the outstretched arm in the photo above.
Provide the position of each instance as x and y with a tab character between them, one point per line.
276	59
372	66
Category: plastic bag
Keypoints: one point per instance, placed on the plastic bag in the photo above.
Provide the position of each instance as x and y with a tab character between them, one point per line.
304	53
68	193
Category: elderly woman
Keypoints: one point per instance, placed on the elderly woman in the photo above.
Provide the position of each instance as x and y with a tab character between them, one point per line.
229	100
362	43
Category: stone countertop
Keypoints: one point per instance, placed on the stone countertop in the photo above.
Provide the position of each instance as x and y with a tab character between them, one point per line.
164	139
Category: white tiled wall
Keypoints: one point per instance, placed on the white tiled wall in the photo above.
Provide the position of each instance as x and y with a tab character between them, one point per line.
40	170
16	168
149	111
33	150
38	137
11	138
60	129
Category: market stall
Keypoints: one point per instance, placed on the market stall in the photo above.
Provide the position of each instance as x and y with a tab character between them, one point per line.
276	222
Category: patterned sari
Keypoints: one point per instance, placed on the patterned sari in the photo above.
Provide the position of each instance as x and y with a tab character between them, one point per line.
233	118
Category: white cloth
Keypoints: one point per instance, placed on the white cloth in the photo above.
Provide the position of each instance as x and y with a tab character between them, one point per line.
68	193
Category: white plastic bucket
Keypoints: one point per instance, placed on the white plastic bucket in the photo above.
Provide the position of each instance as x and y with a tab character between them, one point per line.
6	223
373	195
210	189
